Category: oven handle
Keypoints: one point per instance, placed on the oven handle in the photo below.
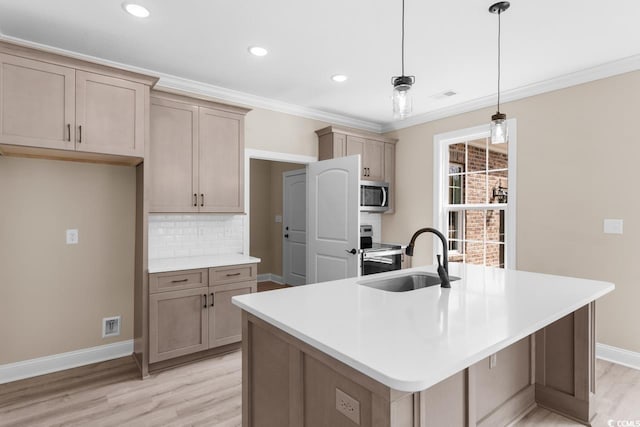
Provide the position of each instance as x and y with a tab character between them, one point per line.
377	254
384	196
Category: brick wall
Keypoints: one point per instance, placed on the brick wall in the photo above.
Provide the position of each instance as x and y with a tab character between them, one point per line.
479	180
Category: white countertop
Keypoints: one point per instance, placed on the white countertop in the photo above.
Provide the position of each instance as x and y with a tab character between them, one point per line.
410	341
188	263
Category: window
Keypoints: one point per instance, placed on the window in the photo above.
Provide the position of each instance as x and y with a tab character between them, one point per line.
474	197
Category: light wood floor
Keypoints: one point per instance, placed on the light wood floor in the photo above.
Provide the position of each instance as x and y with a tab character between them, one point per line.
207	393
269	286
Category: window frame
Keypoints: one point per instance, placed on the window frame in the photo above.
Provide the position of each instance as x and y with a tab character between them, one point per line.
441	143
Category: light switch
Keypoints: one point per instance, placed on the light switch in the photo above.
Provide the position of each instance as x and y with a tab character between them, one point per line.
278	219
613	226
72	237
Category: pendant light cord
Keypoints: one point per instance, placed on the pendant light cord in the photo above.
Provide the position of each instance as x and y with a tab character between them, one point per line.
403	37
499	13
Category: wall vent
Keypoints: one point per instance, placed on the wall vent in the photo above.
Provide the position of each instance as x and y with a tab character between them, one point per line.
110	326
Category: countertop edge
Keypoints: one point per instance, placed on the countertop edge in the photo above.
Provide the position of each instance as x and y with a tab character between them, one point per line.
177	264
425	383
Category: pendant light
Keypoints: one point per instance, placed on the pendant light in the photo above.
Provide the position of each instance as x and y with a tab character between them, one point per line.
499	131
402	104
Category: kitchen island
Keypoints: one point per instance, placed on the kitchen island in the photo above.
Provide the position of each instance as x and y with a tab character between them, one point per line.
482	353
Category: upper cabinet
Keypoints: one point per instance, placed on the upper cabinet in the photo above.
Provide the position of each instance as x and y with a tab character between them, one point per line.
377	153
52	106
196	155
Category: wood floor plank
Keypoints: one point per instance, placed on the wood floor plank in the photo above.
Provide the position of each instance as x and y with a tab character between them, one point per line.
208	393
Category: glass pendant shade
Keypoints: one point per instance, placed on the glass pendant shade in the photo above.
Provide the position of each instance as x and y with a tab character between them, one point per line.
499	129
402	102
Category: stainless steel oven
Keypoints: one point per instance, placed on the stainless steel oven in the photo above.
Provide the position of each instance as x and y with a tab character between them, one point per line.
381	258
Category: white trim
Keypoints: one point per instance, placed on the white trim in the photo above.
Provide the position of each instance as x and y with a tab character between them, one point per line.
602	71
440	157
275	156
60	362
270	277
623	357
169	81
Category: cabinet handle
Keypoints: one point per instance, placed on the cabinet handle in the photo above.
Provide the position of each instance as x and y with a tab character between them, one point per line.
179	281
80	134
205	300
69	132
232	274
195	199
212	300
202	199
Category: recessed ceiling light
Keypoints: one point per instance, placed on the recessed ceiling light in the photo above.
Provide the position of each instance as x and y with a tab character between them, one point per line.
339	78
136	10
258	51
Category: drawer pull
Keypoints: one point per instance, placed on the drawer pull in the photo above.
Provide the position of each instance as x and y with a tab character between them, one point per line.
80	131
202	201
212	299
195	199
180	281
69	132
232	274
205	300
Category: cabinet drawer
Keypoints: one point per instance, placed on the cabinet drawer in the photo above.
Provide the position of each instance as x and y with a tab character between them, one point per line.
178	280
233	273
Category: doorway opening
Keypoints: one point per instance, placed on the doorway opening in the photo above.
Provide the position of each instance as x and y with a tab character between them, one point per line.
264	228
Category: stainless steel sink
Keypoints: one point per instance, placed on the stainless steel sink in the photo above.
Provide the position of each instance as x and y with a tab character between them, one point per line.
410	282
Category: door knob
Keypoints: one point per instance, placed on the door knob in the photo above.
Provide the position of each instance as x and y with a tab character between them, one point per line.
352	251
286	228
286	236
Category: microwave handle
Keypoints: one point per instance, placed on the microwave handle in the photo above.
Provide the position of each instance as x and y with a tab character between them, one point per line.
384	196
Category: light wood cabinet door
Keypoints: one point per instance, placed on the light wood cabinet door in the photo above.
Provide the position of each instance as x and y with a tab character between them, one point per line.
178	323
355	145
110	115
173	157
225	322
221	161
373	160
36	103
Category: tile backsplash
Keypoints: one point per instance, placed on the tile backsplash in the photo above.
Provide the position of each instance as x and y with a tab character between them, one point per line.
178	235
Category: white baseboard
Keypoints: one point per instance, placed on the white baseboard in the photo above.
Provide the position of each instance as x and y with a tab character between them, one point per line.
269	277
59	362
623	357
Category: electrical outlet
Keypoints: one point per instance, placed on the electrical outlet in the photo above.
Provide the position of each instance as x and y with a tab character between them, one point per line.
348	406
110	327
72	237
493	360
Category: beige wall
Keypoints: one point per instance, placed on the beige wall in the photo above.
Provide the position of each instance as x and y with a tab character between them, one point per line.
577	153
266	202
53	296
282	133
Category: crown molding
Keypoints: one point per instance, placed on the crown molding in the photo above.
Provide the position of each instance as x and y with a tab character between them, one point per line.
171	82
168	81
609	69
233	96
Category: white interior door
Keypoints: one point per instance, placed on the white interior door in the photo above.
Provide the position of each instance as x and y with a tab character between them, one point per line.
294	227
333	227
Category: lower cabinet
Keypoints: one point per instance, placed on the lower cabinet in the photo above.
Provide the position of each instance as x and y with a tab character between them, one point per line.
188	313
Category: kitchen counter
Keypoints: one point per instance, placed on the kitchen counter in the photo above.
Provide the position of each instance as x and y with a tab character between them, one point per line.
410	341
189	263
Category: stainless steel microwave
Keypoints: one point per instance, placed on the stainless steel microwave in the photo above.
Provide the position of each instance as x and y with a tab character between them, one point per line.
374	196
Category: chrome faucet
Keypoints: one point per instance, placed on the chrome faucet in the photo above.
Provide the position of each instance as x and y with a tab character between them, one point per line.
443	269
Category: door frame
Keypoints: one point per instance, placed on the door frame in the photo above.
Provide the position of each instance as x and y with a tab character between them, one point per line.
273	156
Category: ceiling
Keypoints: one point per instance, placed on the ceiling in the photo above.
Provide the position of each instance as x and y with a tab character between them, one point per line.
449	45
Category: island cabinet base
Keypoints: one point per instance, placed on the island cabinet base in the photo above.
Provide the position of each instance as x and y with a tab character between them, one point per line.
286	382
